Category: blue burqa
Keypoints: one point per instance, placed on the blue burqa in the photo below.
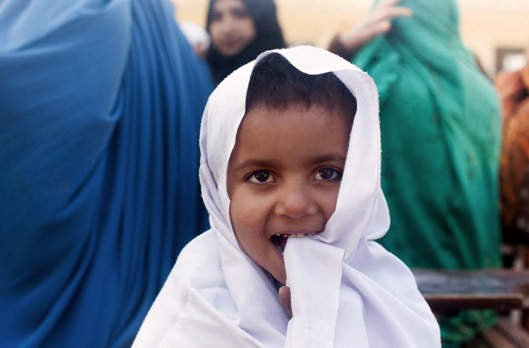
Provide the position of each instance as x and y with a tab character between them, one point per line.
100	105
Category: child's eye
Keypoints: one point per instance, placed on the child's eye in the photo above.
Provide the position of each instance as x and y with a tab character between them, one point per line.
328	174
261	177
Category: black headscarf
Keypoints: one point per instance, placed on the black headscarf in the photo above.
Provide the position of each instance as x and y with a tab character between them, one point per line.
268	36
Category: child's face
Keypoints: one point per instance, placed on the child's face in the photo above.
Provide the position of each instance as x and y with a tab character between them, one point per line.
283	178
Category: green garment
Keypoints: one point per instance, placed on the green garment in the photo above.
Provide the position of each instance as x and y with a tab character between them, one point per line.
440	124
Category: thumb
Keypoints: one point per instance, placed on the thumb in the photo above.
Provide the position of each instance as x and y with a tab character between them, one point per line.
284	299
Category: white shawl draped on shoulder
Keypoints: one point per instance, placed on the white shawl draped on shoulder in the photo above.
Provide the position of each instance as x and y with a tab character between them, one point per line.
347	291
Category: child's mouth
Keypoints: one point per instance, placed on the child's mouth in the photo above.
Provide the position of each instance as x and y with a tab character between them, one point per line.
280	240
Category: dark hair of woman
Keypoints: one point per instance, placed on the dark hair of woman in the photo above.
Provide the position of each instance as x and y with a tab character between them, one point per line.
268	36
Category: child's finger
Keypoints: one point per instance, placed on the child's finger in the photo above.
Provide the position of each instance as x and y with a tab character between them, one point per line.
284	299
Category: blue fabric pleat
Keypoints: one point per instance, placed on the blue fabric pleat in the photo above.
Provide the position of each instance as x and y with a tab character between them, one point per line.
100	107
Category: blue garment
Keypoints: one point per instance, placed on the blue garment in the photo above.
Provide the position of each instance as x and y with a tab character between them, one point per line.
100	106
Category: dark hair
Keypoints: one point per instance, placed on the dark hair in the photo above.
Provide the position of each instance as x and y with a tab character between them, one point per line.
276	83
268	35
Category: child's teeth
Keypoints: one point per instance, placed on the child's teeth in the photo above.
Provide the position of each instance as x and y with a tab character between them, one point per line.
298	235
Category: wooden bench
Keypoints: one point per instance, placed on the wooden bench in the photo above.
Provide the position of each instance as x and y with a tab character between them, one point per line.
504	334
447	291
501	290
515	255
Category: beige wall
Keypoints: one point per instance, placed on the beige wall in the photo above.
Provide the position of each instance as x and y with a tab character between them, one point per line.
485	24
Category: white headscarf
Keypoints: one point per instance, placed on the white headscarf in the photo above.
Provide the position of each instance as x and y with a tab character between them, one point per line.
347	291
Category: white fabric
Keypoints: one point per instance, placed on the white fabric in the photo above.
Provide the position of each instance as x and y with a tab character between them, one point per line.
347	291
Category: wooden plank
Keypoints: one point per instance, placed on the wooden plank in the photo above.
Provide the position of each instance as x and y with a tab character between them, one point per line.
494	338
482	289
515	333
481	282
456	302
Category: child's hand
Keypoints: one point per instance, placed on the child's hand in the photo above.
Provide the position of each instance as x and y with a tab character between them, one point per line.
284	299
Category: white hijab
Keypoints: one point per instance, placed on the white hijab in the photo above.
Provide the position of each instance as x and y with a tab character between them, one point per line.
347	291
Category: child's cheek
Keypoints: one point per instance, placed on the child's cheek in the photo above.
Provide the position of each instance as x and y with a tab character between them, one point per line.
329	200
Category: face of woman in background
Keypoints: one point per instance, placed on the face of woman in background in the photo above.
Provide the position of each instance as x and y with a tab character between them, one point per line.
231	27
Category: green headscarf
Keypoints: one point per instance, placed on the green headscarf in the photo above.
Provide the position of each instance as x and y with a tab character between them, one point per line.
440	123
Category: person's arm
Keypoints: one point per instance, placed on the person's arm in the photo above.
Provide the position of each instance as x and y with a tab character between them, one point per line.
378	22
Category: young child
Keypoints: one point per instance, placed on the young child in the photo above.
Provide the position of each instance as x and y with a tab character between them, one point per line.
290	174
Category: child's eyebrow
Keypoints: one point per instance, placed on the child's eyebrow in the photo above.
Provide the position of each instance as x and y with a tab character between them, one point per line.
254	163
329	157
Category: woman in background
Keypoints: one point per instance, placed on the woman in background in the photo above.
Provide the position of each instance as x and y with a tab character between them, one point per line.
100	106
440	126
240	30
514	170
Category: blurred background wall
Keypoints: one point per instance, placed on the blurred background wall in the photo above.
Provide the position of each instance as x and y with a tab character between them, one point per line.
496	31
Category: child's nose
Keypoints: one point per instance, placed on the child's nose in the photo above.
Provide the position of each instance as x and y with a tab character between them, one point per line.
295	202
